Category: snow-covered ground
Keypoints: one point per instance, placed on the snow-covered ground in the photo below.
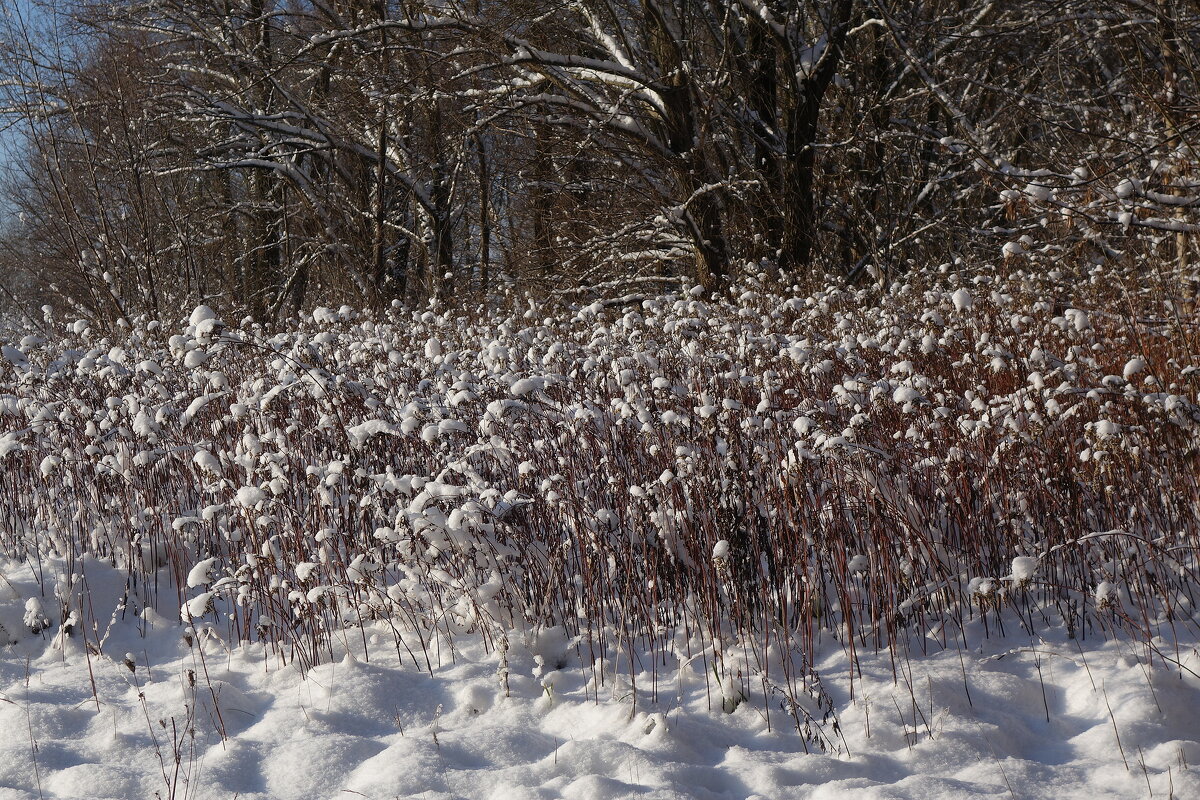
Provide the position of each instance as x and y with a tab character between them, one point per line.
1008	716
941	543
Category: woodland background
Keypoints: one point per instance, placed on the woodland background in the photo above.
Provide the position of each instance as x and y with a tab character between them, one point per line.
265	156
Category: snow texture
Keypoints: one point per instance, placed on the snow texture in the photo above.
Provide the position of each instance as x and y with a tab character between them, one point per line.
1043	716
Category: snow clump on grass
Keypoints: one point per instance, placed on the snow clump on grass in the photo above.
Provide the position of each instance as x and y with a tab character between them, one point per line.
740	479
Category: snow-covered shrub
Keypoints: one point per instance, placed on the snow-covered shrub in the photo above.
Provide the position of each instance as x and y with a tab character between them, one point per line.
663	468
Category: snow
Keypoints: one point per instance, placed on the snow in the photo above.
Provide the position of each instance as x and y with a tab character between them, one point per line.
760	531
906	394
197	607
207	462
1133	367
195	358
13	355
981	587
1011	249
1039	192
201	315
1039	715
250	496
1023	569
359	434
199	573
9	443
525	386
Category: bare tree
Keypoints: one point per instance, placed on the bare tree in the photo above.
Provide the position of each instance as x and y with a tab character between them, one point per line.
272	154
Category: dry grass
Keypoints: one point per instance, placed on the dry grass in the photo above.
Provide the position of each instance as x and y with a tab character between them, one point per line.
667	478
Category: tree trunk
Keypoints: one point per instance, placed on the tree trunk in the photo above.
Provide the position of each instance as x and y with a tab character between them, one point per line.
693	169
485	215
797	198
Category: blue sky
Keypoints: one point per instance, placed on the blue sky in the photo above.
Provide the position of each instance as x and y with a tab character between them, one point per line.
12	14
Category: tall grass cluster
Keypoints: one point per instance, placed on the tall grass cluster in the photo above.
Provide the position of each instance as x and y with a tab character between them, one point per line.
657	480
